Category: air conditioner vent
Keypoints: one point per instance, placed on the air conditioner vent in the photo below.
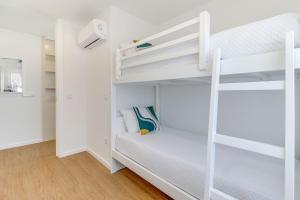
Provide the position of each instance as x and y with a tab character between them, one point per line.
92	34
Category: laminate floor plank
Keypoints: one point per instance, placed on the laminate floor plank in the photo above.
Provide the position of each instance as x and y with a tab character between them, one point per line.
33	172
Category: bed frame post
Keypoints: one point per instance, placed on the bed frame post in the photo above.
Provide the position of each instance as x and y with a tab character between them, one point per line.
118	64
157	100
115	164
212	129
204	40
290	117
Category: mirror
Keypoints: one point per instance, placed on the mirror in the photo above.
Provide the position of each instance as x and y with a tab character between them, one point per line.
10	75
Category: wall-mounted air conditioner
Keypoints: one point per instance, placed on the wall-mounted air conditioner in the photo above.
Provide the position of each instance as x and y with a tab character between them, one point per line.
92	34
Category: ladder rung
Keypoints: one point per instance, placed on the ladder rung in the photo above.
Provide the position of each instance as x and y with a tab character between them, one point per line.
263	85
248	145
218	195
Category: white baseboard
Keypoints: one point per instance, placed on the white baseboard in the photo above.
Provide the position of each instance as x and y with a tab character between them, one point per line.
91	152
99	158
71	152
20	144
60	155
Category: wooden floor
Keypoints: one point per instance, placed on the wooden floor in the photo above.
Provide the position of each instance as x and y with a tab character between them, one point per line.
34	173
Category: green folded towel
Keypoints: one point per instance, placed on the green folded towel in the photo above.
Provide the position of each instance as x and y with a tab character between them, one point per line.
145	45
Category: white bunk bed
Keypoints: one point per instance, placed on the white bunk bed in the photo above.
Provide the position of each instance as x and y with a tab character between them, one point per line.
265	47
253	48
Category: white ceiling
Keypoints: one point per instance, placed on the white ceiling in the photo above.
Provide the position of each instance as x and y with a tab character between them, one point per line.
154	11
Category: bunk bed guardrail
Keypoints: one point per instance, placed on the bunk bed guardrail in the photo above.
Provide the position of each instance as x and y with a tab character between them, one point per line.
203	37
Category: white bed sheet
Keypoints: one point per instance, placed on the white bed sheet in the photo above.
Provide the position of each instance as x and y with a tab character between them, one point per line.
180	158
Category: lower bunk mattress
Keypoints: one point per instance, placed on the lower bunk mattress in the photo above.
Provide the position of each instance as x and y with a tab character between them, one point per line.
179	157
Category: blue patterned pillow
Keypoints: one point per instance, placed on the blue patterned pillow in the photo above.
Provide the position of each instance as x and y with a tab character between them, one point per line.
147	119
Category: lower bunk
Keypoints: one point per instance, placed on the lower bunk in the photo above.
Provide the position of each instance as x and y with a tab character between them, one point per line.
176	161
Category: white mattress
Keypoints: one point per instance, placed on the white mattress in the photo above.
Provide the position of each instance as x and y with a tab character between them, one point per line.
180	158
258	37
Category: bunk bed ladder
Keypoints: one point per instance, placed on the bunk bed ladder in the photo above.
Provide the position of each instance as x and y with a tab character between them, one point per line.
286	153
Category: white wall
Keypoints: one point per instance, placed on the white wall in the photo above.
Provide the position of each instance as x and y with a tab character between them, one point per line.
122	27
98	93
26	21
252	115
20	116
231	13
128	96
185	107
71	64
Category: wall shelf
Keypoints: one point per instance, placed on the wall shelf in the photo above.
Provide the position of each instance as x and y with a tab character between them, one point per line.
50	70
50	54
50	88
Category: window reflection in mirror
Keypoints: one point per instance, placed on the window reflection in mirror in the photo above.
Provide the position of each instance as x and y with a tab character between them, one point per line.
11	75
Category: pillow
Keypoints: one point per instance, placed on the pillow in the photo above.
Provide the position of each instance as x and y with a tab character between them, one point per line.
147	119
130	121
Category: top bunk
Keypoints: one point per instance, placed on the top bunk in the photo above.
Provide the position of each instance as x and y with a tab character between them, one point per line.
185	51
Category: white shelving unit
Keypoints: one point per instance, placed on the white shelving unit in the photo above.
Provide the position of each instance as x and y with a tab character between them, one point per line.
49	90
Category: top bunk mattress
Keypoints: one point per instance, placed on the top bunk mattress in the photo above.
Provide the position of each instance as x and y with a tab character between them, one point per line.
257	37
180	158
